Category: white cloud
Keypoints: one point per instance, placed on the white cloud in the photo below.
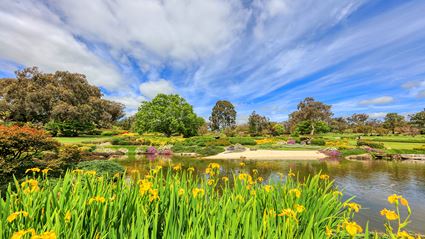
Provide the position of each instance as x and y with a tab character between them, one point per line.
154	87
377	101
169	29
377	115
32	35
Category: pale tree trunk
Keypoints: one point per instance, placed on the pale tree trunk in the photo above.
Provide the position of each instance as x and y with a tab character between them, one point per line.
312	129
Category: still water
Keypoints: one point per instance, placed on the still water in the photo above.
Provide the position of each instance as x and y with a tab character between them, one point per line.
370	181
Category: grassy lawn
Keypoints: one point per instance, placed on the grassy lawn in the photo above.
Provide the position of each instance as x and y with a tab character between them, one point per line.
397	145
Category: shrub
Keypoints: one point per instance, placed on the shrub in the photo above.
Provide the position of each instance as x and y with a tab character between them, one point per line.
19	146
320	142
102	167
242	140
219	142
375	145
357	151
111	132
125	141
210	150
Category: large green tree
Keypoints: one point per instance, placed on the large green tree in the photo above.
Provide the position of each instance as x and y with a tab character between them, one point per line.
168	114
315	112
393	120
359	124
418	120
258	124
64	99
223	116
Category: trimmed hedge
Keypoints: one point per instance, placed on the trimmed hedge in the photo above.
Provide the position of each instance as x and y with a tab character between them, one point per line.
375	145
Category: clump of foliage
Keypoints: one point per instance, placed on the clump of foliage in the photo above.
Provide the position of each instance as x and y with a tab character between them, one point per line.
209	150
81	205
102	167
375	145
418	121
242	140
168	114
126	141
223	116
219	142
306	127
64	101
111	132
393	121
21	145
318	141
355	151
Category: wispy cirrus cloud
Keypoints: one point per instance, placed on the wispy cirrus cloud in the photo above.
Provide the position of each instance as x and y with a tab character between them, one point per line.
263	55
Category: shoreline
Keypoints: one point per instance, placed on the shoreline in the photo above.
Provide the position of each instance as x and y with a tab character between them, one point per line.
270	155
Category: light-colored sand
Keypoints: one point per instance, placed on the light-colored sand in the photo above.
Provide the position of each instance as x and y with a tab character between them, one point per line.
270	155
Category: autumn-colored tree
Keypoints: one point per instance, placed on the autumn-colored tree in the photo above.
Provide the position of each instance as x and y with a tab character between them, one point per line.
313	111
64	99
223	116
20	145
339	124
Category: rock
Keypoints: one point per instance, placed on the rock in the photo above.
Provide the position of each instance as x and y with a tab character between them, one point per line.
235	148
412	156
359	157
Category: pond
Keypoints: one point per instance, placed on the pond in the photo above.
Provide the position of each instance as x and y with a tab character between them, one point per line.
370	181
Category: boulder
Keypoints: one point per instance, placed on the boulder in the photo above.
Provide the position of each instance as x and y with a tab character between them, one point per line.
359	157
412	156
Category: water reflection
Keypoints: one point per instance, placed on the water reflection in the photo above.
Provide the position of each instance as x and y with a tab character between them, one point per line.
370	181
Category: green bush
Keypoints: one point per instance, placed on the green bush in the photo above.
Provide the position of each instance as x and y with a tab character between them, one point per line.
125	141
102	167
320	142
242	140
199	141
210	150
111	132
219	142
180	148
347	152
375	145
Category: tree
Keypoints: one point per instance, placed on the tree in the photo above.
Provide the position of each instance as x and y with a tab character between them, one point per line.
223	116
19	146
258	124
168	114
277	129
65	99
358	123
339	124
313	111
393	120
418	121
305	127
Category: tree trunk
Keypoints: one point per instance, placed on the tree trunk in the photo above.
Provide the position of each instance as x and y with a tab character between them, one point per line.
312	129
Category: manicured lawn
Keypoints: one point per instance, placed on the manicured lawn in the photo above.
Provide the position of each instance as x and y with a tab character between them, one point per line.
397	145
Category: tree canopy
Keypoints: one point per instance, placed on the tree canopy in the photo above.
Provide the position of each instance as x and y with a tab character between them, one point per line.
313	111
168	114
393	120
223	116
61	97
418	121
258	124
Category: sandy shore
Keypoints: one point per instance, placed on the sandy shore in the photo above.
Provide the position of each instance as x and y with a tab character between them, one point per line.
270	155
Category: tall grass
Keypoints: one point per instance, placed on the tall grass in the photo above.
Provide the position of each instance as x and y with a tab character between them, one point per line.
174	203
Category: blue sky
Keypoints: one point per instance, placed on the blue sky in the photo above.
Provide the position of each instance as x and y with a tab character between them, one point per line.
263	55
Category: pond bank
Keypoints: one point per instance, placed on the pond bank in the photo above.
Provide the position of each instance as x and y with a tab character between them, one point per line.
270	155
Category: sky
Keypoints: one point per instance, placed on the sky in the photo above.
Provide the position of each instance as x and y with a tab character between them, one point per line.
262	55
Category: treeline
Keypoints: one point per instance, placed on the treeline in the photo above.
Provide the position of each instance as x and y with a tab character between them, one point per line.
66	104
